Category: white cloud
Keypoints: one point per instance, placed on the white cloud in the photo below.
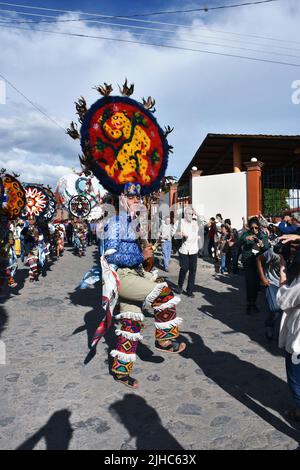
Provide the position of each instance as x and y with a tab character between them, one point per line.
196	93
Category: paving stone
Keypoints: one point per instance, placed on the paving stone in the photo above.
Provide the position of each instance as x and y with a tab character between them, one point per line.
99	425
189	409
41	379
12	377
219	420
6	421
153	378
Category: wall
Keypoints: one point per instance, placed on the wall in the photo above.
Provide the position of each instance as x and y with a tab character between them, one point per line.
226	193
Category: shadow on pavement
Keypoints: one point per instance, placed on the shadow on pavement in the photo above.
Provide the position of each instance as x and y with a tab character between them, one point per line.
3	319
20	277
225	307
92	298
88	298
57	433
245	382
143	423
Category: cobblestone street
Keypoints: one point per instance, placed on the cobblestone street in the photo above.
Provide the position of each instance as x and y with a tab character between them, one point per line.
226	391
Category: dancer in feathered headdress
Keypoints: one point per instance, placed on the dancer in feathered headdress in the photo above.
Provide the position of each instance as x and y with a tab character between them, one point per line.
12	202
126	149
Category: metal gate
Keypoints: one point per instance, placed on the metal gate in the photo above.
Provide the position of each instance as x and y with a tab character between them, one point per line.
281	191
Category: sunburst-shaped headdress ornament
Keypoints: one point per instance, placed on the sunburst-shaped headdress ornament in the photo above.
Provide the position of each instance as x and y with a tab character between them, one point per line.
121	140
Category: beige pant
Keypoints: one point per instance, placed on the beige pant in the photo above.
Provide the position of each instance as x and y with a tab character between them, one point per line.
134	289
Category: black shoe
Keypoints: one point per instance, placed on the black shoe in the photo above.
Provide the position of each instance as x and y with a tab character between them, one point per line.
189	294
269	333
249	309
178	290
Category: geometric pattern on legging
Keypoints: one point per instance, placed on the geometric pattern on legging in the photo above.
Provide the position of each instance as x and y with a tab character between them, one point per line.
33	271
167	314
165	296
33	268
167	334
130	325
126	346
121	368
170	332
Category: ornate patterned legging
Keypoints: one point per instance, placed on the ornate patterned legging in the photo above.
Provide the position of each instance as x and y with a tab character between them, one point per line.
33	268
163	301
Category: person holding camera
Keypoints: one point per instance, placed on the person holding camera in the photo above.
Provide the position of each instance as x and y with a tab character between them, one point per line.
252	243
211	234
223	248
288	299
289	225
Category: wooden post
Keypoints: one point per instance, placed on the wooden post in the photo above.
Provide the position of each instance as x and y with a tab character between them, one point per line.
254	188
173	194
237	159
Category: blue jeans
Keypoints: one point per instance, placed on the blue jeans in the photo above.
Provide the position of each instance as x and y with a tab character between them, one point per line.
166	251
223	261
274	310
293	377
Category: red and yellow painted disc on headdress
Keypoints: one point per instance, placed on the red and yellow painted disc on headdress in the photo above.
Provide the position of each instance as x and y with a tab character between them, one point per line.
37	201
125	144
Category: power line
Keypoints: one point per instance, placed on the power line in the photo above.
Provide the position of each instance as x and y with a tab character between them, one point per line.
32	104
205	9
146	29
128	18
158	45
167	12
157	36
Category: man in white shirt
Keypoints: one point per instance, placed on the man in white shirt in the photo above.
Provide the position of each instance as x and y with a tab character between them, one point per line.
188	252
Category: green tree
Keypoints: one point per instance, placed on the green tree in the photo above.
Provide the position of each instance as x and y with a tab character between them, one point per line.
275	201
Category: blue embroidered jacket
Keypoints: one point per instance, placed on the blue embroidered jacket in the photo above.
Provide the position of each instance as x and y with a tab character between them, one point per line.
120	236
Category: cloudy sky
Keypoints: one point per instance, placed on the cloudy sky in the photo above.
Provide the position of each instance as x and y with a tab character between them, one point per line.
196	92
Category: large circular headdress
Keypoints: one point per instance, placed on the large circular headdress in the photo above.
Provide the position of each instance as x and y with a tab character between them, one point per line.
122	141
37	201
79	206
2	193
12	196
77	184
52	204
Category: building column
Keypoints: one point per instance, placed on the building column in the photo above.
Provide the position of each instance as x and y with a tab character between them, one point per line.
254	187
194	175
173	194
237	159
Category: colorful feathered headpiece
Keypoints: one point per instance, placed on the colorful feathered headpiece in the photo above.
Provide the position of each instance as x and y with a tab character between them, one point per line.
122	142
12	196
